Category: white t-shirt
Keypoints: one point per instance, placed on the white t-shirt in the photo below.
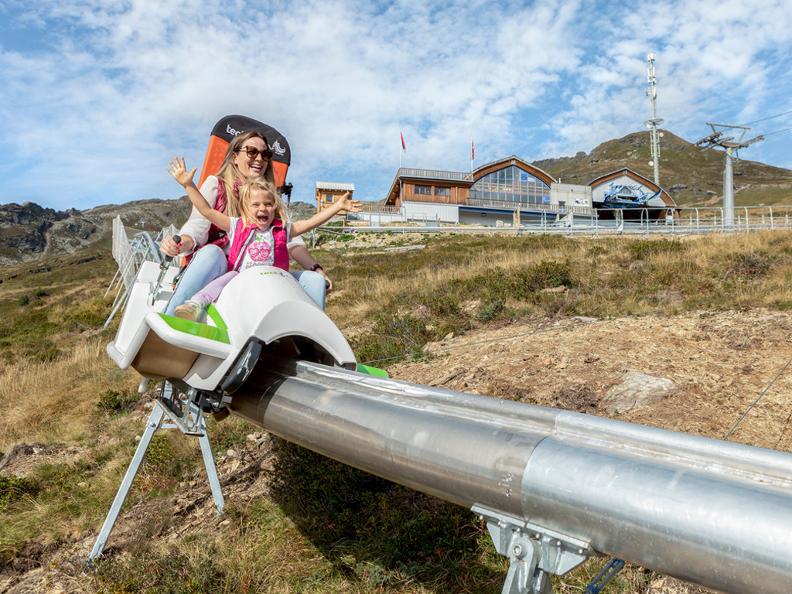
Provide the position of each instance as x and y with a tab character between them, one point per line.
197	226
260	249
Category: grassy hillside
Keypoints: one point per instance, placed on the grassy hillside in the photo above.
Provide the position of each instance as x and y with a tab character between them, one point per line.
297	522
694	177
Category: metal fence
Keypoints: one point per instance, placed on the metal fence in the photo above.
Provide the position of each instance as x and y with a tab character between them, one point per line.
529	206
433	174
129	254
665	221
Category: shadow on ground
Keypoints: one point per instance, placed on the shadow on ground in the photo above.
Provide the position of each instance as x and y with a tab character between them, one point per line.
381	533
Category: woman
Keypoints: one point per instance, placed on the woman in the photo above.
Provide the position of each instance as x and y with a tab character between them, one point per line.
248	156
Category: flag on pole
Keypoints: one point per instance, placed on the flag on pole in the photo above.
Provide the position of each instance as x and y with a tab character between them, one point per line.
472	150
404	146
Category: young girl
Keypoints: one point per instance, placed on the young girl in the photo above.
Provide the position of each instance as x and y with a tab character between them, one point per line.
258	238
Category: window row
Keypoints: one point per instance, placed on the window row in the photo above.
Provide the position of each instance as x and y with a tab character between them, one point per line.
427	190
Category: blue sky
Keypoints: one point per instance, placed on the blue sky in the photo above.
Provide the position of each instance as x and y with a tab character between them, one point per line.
97	95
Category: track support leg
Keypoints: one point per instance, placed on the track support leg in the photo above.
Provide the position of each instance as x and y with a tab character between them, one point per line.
534	552
169	412
153	423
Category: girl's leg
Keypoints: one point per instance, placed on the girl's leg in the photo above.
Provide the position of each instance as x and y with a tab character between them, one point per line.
313	284
208	263
211	292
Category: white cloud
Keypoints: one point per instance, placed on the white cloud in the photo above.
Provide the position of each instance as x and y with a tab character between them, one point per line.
112	89
714	61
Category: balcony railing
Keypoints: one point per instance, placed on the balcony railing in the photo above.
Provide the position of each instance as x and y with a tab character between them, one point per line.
583	210
380	208
435	174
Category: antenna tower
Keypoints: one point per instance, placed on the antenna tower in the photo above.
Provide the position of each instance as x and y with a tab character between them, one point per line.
731	145
654	121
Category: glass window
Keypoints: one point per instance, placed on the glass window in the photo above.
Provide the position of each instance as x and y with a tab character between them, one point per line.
328	197
425	190
511	184
442	191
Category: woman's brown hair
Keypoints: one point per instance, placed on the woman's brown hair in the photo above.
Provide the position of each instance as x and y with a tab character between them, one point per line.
228	174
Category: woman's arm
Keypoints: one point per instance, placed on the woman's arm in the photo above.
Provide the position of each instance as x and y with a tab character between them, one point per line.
197	226
345	203
173	249
178	171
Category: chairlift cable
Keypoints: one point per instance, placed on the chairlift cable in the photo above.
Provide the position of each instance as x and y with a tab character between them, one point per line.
778	115
777	132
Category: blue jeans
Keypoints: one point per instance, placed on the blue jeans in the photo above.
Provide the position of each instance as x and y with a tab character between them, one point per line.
313	284
210	262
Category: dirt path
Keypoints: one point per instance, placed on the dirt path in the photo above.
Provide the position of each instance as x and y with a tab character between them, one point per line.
718	363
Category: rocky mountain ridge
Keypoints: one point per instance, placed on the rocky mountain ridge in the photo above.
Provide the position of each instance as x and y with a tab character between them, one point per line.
29	231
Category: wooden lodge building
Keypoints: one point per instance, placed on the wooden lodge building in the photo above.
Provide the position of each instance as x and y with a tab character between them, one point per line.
508	191
328	192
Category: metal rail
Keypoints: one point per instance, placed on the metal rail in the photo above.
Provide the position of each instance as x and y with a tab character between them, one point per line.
554	486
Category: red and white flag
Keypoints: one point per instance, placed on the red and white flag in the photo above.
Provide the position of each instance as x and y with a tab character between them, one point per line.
404	146
472	150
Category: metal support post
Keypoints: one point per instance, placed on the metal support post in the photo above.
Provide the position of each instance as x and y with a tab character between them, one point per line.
169	412
534	552
153	423
211	469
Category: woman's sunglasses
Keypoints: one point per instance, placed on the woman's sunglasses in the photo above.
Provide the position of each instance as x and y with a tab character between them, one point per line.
253	152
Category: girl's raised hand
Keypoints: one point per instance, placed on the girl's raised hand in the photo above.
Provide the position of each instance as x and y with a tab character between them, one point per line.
178	171
348	205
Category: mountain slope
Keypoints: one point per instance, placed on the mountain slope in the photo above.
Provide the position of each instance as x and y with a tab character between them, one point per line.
28	231
691	175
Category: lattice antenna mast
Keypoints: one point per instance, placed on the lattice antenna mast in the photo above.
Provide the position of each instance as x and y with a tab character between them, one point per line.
731	145
654	121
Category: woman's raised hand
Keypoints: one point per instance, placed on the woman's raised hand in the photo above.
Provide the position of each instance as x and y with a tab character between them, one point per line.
346	204
178	170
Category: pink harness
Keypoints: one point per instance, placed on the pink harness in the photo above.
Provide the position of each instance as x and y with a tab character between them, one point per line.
243	234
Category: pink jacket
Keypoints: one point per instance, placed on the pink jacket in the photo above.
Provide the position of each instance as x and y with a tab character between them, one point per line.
242	236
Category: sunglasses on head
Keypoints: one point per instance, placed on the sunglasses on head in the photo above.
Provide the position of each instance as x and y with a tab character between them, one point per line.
253	152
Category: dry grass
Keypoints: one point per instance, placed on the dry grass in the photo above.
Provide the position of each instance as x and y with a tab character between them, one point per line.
56	401
393	304
301	540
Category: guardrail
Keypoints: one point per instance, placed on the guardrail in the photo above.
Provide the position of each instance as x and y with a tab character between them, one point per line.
579	220
434	174
529	206
129	254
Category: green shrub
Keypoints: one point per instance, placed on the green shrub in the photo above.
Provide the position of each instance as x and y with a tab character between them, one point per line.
543	275
114	402
24	300
641	249
749	265
13	488
393	336
490	310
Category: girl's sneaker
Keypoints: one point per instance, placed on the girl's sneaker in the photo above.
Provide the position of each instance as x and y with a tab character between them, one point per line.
190	310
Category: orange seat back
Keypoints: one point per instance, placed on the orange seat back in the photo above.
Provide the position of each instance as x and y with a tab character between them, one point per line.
230	126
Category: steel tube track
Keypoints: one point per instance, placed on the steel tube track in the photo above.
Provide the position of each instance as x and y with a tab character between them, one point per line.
712	512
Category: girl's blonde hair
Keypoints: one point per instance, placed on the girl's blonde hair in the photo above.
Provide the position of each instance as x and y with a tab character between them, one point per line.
229	175
257	184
